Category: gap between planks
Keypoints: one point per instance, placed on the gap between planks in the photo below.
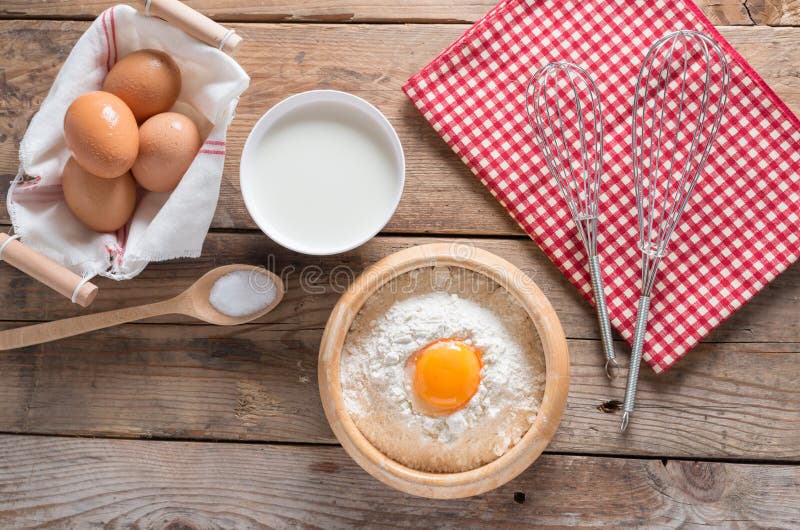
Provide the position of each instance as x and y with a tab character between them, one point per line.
280	443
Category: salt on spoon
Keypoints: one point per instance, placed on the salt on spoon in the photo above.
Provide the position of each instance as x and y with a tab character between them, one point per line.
242	293
250	293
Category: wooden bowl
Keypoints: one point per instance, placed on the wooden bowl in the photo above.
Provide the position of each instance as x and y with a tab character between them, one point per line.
514	461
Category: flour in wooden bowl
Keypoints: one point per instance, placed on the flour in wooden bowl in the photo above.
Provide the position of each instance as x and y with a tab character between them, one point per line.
415	310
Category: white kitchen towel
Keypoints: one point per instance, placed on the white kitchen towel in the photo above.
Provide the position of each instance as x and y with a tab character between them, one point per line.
165	225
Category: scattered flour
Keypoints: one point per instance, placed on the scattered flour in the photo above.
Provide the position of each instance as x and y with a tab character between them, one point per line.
408	313
242	293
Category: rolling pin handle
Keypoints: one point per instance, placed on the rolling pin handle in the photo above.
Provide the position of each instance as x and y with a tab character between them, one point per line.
39	267
194	23
7	241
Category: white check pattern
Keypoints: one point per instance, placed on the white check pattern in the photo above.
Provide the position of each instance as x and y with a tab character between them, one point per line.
741	226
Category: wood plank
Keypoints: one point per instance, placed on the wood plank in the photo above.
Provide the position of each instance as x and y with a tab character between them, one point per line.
780	12
750	12
373	61
767	52
315	284
256	382
721	12
132	484
734	12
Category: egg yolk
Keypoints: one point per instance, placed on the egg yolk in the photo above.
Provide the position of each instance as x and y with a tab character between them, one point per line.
445	375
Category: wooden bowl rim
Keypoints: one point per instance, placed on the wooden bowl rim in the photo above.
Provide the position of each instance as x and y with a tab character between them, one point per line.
500	470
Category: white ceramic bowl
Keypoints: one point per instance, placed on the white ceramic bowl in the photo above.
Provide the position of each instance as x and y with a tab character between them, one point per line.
335	106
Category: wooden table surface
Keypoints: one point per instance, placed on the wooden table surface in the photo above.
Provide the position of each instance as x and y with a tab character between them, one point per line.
171	423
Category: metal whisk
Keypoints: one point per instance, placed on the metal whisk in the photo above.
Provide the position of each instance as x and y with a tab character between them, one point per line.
680	99
564	110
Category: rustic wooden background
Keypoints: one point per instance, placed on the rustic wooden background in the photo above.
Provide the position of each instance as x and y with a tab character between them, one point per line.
123	427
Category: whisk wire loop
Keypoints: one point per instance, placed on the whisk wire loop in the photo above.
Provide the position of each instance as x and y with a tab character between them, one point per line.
662	188
574	160
565	114
678	106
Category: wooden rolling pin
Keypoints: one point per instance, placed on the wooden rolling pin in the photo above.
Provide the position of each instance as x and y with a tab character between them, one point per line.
47	271
192	22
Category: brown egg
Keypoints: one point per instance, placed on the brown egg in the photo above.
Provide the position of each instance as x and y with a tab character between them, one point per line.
104	205
148	81
101	132
168	143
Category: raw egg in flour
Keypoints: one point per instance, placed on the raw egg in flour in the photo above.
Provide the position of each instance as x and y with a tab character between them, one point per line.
444	375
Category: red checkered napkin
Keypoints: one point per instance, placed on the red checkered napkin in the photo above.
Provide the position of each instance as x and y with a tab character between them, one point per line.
741	227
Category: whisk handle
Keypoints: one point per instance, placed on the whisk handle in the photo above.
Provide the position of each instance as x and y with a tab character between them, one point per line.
602	317
636	359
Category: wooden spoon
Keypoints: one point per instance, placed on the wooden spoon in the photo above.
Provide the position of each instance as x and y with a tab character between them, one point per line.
193	302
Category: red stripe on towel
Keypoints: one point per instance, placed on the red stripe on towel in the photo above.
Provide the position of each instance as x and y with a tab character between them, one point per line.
114	35
108	43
